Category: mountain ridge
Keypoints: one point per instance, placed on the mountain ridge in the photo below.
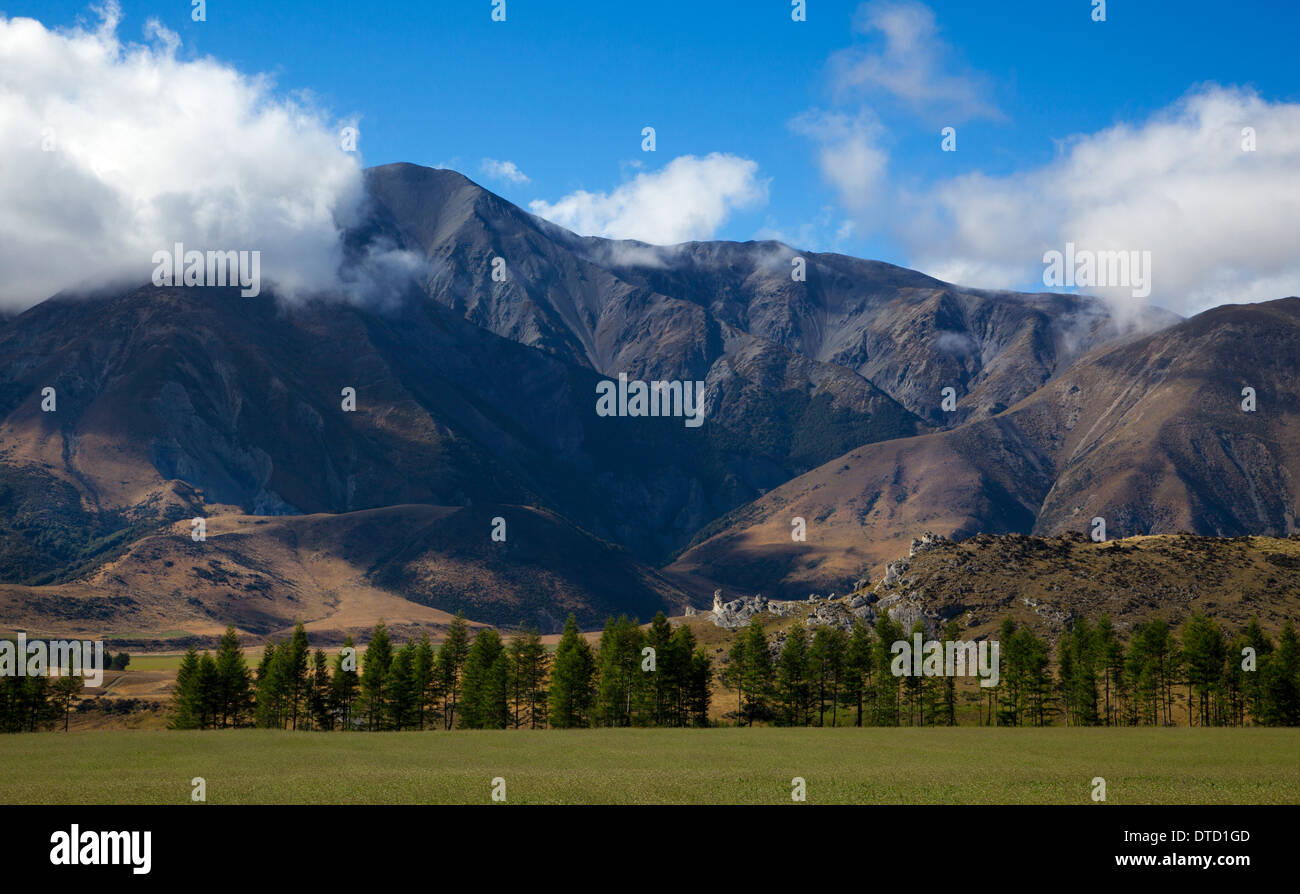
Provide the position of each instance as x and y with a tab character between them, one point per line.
473	392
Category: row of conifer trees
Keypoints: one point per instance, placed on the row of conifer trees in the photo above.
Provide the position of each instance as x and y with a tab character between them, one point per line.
657	677
661	677
1197	675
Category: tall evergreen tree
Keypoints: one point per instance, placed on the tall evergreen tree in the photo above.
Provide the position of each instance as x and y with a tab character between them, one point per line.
319	709
64	694
528	679
671	666
947	711
826	662
374	675
1110	652
208	690
1281	680
792	685
425	680
572	679
295	673
858	677
1253	688
699	689
486	683
621	679
234	684
681	671
1204	651
451	662
272	685
759	675
402	690
345	685
886	707
185	703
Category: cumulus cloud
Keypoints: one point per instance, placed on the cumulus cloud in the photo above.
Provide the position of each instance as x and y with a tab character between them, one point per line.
905	59
1220	222
506	171
688	199
849	154
110	151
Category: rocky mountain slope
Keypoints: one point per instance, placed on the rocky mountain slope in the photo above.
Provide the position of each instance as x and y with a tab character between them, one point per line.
475	398
1149	435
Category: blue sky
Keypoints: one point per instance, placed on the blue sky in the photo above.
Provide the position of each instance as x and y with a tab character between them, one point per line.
562	90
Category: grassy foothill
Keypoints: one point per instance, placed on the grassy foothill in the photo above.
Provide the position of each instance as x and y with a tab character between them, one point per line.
632	766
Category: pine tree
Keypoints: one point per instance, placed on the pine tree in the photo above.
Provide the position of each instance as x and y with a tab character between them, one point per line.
318	697
208	691
1111	655
424	673
1205	652
486	683
374	675
1084	694
235	686
185	713
792	670
451	662
1253	688
295	672
826	661
732	676
620	676
947	713
1233	683
572	679
699	689
65	691
914	685
669	675
759	676
36	710
345	685
681	671
272	685
402	696
886	707
857	670
528	679
1281	680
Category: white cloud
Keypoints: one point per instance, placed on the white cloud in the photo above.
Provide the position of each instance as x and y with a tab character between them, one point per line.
507	171
1220	222
688	199
149	150
908	63
849	154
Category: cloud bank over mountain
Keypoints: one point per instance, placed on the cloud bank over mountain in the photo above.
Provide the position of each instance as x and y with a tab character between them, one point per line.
114	150
1219	218
1206	184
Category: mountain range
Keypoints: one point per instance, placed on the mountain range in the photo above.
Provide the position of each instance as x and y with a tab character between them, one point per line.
475	415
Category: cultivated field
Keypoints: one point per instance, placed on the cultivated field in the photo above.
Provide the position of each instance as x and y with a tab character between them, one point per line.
712	766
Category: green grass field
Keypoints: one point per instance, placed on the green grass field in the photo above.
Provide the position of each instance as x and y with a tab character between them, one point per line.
714	766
